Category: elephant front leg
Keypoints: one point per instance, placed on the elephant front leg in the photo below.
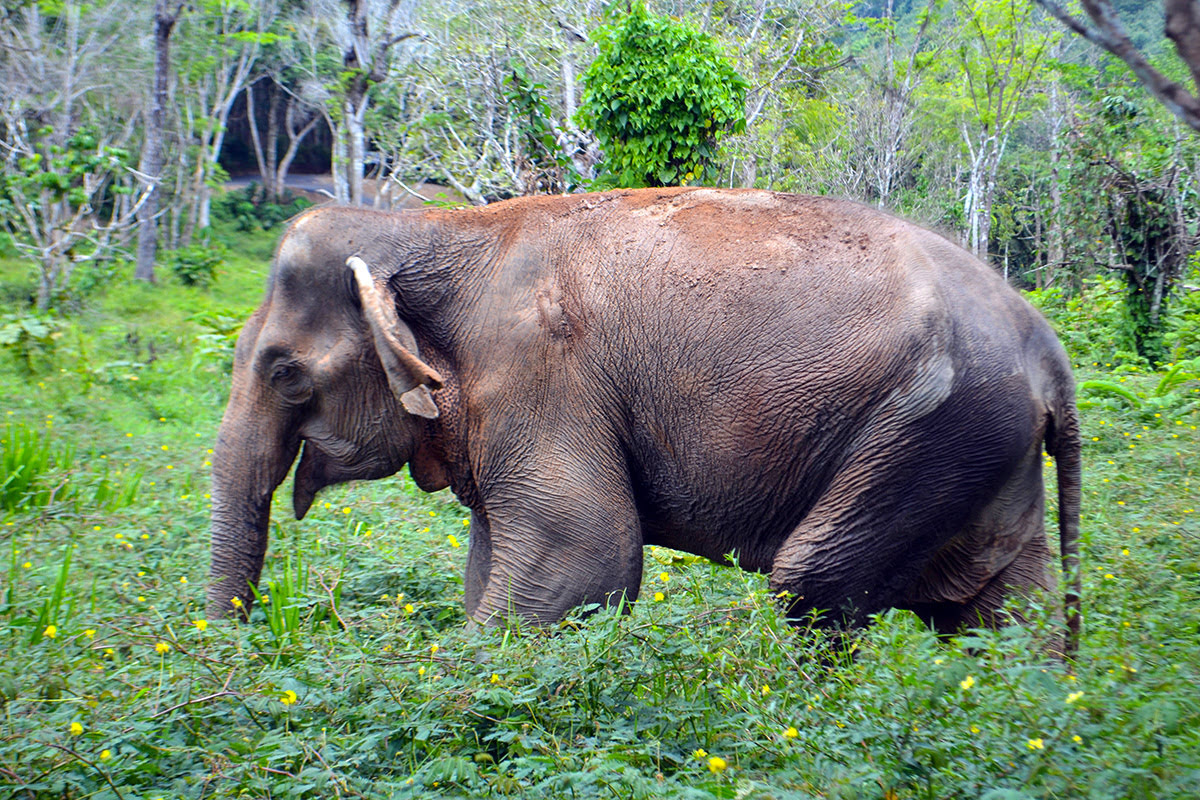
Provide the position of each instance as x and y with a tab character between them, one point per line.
553	543
479	561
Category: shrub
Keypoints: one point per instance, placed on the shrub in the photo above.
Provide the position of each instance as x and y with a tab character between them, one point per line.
660	95
29	338
197	265
248	209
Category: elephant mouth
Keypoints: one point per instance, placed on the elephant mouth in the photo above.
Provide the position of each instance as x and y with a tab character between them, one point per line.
332	461
308	481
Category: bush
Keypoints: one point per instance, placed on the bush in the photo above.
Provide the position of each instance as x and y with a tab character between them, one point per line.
1092	323
1182	327
197	265
30	338
660	95
248	209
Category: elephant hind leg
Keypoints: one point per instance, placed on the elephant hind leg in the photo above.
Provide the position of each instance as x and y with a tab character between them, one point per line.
1028	572
867	541
1002	553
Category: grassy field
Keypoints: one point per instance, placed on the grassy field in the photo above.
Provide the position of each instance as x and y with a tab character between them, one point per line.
360	679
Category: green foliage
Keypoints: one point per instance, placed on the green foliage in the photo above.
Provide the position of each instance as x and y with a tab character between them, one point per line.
248	209
1132	186
659	96
59	203
29	338
197	265
547	168
33	472
1181	330
1091	322
57	172
1173	396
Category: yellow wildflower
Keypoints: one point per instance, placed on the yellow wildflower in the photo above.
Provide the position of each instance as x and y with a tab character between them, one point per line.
76	729
162	648
50	632
1073	696
664	577
201	624
701	753
791	732
452	541
967	682
236	602
495	678
289	698
716	764
659	597
105	755
1036	744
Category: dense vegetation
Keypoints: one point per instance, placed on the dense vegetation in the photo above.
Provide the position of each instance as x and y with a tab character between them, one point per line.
358	676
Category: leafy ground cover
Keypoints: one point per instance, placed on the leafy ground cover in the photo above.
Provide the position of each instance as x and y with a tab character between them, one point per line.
359	677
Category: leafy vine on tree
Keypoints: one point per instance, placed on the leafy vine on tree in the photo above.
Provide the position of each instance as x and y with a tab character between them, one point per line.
659	96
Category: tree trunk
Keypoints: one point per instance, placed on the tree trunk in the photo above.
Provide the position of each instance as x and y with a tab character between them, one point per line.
1054	225
256	140
341	188
355	108
271	178
294	139
152	152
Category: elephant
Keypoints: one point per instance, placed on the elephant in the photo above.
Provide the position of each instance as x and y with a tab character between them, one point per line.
844	400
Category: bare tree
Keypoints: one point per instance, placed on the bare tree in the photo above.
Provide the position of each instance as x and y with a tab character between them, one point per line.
286	110
66	114
219	45
1181	25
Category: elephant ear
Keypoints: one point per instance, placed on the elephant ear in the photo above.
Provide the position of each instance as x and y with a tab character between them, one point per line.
409	376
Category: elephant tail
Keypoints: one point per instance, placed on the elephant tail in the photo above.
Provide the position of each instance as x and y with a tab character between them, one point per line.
1063	443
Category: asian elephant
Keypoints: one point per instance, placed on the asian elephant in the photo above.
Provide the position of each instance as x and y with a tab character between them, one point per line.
844	400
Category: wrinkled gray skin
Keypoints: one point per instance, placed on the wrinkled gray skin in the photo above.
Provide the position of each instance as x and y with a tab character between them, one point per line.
846	401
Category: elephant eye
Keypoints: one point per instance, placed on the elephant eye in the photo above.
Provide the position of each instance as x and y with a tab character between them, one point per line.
289	379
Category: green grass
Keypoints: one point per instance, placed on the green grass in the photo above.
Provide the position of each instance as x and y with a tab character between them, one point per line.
361	678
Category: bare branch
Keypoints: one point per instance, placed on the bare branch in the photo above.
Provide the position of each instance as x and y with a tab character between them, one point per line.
1183	28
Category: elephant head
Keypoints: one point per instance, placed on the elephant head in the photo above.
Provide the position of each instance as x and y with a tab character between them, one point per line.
325	364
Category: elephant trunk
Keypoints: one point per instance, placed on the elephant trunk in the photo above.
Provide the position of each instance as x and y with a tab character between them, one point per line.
249	462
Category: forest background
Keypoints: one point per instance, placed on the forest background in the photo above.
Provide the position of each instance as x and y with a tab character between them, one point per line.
170	141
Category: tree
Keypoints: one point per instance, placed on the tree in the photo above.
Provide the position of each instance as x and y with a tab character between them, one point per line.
166	12
1181	25
52	202
996	64
659	96
1135	187
882	121
66	114
219	44
368	34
